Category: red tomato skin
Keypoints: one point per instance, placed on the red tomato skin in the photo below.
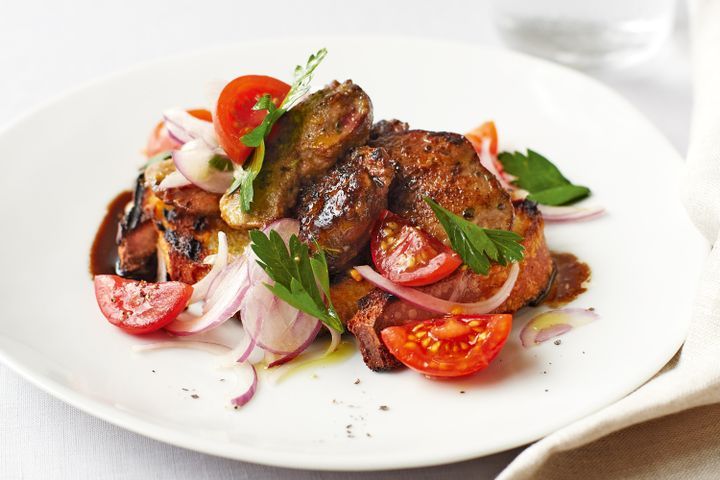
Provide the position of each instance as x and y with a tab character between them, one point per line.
439	364
234	116
444	262
485	131
139	307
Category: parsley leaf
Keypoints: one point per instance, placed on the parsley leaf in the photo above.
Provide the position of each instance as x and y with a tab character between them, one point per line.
244	177
258	134
221	163
300	279
477	246
157	158
541	178
256	138
561	195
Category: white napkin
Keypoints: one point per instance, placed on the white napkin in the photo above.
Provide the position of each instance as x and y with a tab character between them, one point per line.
610	443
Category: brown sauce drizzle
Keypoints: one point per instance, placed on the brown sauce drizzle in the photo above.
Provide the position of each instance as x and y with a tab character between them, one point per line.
571	276
103	255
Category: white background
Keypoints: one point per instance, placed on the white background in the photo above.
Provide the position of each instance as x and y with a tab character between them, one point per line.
48	47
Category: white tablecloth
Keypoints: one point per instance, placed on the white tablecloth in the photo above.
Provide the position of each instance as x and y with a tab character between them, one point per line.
47	47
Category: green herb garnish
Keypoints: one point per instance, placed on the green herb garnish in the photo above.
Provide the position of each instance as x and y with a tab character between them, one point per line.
297	275
477	246
244	178
541	178
157	158
221	163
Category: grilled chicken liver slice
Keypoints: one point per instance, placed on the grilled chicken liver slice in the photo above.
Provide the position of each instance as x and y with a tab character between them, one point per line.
387	127
379	310
444	167
340	209
306	142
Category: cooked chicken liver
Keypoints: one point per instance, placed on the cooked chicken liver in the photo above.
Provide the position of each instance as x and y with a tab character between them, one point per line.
340	209
444	167
306	142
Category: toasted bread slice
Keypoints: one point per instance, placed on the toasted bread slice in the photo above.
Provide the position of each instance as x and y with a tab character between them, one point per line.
187	220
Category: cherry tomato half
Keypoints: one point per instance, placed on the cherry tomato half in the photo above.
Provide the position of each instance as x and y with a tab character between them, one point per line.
452	346
234	116
140	307
407	255
485	131
161	141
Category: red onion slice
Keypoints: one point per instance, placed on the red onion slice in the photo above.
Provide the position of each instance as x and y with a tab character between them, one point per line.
220	307
161	274
174	180
570	213
251	380
201	288
184	127
554	323
335	338
438	305
276	326
243	350
193	162
310	338
493	165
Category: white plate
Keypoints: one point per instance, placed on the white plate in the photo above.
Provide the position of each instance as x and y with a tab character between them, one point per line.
64	162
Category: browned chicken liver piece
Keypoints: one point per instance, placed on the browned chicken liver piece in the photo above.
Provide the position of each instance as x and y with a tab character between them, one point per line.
379	310
444	167
386	127
340	209
306	142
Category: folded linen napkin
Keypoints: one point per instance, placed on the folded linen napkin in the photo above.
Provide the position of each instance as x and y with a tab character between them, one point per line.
669	427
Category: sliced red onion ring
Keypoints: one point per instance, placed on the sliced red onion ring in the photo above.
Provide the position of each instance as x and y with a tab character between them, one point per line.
438	305
554	323
209	347
183	127
201	288
570	213
161	275
243	350
276	326
174	180
303	346
220	307
335	338
251	380
491	162
193	162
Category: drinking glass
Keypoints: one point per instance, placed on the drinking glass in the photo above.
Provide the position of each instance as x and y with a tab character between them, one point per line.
585	33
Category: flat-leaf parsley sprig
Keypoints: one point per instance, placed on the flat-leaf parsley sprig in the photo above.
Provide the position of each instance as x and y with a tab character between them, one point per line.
477	246
301	279
541	178
244	177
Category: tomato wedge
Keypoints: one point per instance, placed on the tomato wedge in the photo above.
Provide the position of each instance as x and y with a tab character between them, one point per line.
234	116
451	346
161	141
485	131
140	307
407	255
